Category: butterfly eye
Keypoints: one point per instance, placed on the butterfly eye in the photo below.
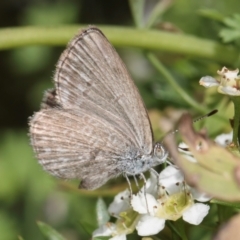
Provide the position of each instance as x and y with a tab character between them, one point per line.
160	152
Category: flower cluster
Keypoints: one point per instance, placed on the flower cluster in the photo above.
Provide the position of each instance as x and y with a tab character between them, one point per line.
229	82
164	197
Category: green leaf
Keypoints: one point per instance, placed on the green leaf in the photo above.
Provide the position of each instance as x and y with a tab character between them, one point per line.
35	57
180	227
50	13
157	11
211	14
233	22
229	35
214	171
224	203
225	213
49	232
136	7
8	226
232	32
102	212
102	238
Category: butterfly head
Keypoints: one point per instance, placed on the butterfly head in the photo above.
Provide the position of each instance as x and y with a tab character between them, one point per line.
160	154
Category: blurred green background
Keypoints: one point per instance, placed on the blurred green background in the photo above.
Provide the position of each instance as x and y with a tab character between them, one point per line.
27	194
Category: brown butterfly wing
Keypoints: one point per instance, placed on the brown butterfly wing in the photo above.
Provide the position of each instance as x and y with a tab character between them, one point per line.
95	120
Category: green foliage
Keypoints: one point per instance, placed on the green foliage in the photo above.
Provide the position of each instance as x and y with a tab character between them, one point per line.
102	212
177	43
232	32
101	238
49	232
47	13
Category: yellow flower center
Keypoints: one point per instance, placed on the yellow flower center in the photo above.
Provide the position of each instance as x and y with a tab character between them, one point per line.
173	206
127	222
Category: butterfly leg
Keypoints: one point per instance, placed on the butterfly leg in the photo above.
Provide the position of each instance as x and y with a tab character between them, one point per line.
136	182
145	190
129	184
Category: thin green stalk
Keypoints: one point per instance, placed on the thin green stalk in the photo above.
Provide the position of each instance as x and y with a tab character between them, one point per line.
136	7
124	37
159	66
219	213
176	230
236	120
224	203
103	192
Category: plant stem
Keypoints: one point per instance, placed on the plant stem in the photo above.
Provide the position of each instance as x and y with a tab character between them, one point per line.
177	229
236	120
159	66
122	36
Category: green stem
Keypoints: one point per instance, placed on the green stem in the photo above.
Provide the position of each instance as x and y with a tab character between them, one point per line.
236	120
137	11
159	66
229	204
122	36
178	228
224	213
103	192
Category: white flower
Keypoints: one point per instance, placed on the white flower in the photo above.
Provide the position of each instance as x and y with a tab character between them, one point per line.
224	139
229	82
149	225
164	197
171	200
109	229
169	177
199	196
196	213
144	203
208	81
120	203
183	149
126	218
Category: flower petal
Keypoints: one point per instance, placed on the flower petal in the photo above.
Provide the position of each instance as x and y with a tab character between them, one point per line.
169	177
104	230
224	139
208	81
120	203
228	90
228	73
196	213
149	225
200	196
151	184
144	203
119	237
183	149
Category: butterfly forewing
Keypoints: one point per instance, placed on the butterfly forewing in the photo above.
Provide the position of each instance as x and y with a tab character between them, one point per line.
95	120
90	71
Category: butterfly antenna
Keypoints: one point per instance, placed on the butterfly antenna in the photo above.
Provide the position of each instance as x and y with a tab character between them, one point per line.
195	120
206	115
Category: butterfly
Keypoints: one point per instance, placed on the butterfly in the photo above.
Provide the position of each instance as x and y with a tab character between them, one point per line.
93	125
